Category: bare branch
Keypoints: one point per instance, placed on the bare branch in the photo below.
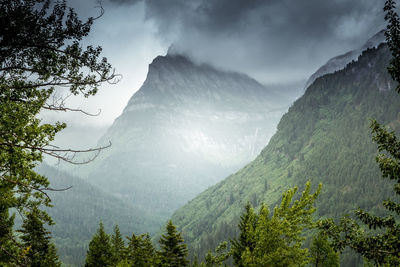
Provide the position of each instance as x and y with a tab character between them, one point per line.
57	190
100	5
63	154
67	82
71	150
59	105
31	187
65	109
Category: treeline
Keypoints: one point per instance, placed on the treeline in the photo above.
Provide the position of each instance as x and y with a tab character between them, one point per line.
105	250
265	239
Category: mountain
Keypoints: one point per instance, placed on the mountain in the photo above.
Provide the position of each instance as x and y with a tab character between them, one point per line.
187	127
325	138
78	211
339	62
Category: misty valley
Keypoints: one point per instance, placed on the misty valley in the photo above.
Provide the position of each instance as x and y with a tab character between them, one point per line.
205	165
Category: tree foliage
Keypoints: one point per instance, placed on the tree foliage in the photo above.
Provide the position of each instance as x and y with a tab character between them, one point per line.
38	249
117	245
140	250
40	52
245	241
322	252
100	252
218	258
173	251
8	247
393	39
277	239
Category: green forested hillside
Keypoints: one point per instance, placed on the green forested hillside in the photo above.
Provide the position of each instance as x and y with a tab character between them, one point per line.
78	211
324	137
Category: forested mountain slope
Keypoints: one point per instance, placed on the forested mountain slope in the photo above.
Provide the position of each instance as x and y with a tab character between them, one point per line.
324	138
78	211
339	62
187	127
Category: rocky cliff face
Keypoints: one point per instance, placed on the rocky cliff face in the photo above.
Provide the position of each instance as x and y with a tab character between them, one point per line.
185	129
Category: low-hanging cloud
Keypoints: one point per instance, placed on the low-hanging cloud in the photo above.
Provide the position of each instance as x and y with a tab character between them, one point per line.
273	40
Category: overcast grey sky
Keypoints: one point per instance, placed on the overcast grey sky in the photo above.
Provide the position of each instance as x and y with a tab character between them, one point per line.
274	41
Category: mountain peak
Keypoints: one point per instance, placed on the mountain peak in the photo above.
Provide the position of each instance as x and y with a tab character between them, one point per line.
339	62
172	61
188	126
375	40
175	78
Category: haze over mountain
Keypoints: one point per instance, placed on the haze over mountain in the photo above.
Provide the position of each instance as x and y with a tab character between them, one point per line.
186	128
78	211
324	137
339	62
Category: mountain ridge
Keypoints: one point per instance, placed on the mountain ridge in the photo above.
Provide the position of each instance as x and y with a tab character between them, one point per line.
339	62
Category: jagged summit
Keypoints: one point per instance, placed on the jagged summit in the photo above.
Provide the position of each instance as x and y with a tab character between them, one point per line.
175	78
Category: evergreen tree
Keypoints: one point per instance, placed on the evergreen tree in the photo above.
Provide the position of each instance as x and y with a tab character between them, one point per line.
99	253
140	250
118	245
382	248
8	245
322	253
39	252
148	249
245	241
173	251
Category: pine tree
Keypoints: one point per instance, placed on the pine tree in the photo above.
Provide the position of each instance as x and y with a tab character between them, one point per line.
173	251
100	250
140	250
118	245
322	253
148	250
40	252
245	241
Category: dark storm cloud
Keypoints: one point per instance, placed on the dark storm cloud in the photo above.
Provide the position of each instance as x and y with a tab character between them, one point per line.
265	38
